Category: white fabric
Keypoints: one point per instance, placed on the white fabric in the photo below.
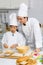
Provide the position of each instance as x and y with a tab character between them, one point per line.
23	10
16	39
32	27
13	19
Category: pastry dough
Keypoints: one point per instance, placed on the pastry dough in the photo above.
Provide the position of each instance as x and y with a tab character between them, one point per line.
8	52
17	54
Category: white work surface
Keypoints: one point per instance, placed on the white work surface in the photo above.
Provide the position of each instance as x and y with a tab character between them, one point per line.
4	61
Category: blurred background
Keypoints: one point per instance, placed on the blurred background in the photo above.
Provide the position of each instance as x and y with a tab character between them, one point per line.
35	9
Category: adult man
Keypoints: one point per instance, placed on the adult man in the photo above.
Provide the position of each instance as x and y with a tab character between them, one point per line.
30	27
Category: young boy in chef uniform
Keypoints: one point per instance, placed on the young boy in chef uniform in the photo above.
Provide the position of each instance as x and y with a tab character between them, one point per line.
13	38
30	27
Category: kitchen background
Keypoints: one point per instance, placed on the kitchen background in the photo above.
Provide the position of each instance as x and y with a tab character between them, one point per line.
35	9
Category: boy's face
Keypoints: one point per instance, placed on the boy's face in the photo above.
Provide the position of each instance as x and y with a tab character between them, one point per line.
22	20
13	28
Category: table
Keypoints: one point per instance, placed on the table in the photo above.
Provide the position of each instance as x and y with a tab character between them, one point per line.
4	61
10	61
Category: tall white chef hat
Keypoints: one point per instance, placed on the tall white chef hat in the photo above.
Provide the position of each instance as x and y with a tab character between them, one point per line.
13	19
23	10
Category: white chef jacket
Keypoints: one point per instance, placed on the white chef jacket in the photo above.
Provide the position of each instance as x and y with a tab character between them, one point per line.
32	29
9	39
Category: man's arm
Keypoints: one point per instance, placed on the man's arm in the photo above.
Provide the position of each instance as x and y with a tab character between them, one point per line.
37	34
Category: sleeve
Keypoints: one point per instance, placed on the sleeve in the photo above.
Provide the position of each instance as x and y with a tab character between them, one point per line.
21	40
4	39
37	34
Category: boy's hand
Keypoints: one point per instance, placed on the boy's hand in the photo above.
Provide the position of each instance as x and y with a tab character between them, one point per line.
14	46
5	46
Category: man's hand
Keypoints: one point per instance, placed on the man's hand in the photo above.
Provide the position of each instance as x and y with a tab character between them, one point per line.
5	45
13	46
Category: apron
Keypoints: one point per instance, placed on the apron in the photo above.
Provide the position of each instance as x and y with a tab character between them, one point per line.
28	34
